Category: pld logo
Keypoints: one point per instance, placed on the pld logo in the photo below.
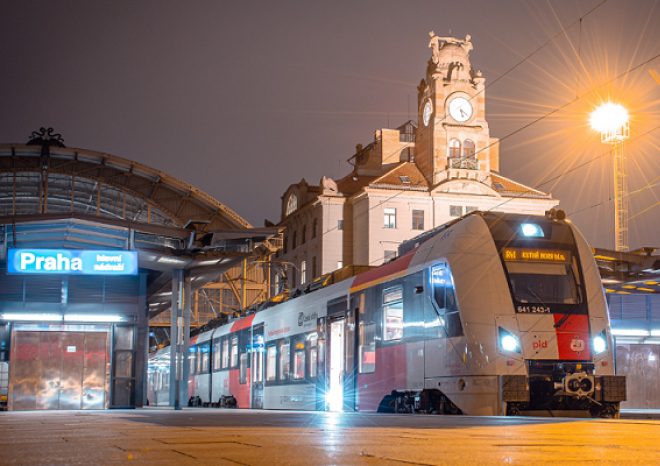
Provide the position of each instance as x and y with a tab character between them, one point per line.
540	344
577	345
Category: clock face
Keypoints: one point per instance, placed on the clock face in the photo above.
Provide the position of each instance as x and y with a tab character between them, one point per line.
426	114
460	109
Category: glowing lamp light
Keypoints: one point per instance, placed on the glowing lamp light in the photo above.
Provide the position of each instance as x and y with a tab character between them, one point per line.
509	343
599	345
608	118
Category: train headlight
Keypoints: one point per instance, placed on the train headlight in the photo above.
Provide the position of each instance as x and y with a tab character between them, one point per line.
508	341
531	230
600	343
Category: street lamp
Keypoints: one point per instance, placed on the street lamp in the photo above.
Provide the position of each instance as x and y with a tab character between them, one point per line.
612	122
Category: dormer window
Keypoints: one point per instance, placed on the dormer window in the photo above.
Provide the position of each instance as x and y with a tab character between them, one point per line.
292	204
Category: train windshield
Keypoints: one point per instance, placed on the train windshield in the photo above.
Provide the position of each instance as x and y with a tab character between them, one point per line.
543	283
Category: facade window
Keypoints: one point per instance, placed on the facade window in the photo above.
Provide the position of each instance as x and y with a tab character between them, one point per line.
285	244
340	265
455	210
292	204
303	272
469	159
303	240
389	217
315	227
340	224
393	314
469	209
389	255
417	219
454	153
294	240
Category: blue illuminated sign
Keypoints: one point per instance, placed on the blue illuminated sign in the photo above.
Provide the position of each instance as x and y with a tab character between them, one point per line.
72	261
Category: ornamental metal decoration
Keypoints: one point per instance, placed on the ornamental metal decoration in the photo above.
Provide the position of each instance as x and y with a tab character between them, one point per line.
46	139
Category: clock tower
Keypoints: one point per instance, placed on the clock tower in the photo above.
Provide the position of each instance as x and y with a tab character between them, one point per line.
453	139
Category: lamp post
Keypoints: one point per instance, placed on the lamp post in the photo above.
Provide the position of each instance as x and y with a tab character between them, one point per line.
612	122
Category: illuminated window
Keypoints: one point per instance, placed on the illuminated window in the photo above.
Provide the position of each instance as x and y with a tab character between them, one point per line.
455	210
312	344
271	363
367	348
389	217
299	362
234	352
303	272
417	219
340	265
292	204
225	353
393	314
285	358
216	355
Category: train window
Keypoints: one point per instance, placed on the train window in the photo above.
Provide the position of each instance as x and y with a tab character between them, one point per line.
225	353
216	355
271	363
299	361
242	371
193	360
393	313
536	282
204	357
312	346
285	359
367	348
234	352
444	299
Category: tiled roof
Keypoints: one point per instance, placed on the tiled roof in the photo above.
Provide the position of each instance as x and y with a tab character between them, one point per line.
351	184
403	176
506	186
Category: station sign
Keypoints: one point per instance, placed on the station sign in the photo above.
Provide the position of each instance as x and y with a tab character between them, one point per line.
71	261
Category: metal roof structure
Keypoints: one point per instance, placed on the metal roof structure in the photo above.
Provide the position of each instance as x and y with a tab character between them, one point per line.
95	183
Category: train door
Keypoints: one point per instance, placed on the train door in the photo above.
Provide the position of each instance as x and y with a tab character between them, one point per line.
336	363
258	351
341	358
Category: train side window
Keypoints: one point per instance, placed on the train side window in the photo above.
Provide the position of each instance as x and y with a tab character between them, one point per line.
312	346
204	359
216	355
242	371
393	313
271	363
285	359
193	360
225	353
234	352
299	361
367	348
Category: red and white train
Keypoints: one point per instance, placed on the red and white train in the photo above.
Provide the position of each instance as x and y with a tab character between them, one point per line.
491	314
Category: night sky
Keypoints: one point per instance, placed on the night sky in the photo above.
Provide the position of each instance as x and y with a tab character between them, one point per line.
242	99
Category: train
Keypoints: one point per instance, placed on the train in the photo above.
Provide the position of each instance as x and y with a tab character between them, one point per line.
490	314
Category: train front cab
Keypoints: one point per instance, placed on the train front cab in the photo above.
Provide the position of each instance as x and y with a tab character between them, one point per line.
561	326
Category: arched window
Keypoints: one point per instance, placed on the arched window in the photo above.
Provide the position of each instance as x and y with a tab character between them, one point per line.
292	204
454	153
469	155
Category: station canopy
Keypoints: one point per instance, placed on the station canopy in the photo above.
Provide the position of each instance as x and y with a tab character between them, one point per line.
53	196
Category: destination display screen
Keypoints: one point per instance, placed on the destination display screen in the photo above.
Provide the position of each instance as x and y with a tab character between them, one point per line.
535	255
71	261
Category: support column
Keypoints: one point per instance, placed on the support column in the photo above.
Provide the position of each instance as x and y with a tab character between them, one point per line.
187	299
175	346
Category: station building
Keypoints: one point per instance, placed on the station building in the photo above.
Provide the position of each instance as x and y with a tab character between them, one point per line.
91	247
408	179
